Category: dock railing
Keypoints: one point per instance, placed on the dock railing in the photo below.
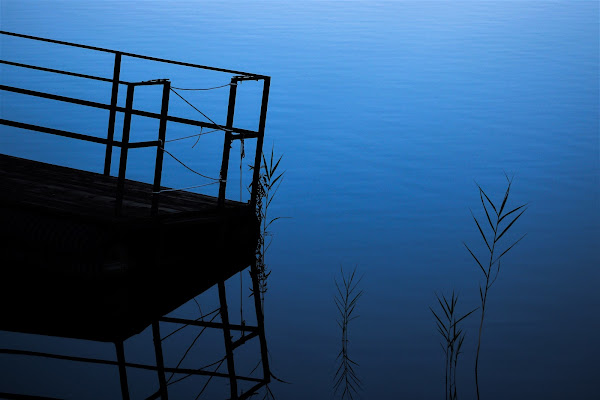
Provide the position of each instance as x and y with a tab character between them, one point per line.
231	133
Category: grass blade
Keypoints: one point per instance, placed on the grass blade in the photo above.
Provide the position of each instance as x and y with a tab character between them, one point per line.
481	231
510	212
509	225
506	251
478	263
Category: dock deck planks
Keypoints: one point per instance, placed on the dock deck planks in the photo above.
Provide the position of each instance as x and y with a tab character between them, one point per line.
72	268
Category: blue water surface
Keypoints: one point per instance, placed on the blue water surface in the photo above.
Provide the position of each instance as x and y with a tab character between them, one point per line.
385	114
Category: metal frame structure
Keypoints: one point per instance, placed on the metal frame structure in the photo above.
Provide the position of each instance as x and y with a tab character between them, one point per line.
231	133
248	332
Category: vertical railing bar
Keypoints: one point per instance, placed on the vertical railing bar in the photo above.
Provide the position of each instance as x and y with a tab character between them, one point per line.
260	322
122	370
162	133
227	336
260	140
112	116
160	364
124	148
227	142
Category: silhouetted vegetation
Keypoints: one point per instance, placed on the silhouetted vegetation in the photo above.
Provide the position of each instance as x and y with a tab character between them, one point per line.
346	379
499	224
268	185
447	324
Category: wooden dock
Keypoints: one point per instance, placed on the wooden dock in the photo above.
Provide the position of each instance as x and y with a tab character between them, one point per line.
77	270
91	256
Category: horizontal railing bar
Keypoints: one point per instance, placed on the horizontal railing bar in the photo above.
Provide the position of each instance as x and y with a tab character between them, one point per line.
163	60
252	391
58	71
137	145
245	132
80	136
56	97
57	132
188	371
209	324
244	339
186	121
251	135
13	396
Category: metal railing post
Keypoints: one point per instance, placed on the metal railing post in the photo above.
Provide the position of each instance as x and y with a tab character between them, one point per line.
162	133
259	140
260	322
112	116
124	148
228	344
160	365
227	142
122	370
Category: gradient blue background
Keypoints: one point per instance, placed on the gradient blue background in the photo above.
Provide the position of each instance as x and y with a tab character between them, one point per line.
385	113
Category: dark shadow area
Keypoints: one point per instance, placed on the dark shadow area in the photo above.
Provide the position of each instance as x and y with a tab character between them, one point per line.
102	258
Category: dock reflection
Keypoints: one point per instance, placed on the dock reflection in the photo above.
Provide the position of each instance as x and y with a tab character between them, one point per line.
116	309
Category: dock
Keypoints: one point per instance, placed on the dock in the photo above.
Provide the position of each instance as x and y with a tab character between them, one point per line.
94	256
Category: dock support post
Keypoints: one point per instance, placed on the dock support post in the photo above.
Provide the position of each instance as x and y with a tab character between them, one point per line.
122	370
159	150
124	149
260	139
227	142
113	111
260	322
160	365
228	343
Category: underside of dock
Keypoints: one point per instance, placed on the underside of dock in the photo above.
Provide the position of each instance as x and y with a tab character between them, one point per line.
77	270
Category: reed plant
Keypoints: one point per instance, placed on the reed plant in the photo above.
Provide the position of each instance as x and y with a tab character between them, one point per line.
499	221
346	379
268	184
269	181
454	336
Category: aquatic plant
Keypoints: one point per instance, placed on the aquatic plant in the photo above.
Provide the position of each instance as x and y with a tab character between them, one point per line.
499	223
346	298
453	339
267	186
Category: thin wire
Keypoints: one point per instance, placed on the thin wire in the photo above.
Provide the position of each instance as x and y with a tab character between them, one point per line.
186	325
199	369
211	88
196	172
191	105
190	347
198	138
185	188
209	379
192	136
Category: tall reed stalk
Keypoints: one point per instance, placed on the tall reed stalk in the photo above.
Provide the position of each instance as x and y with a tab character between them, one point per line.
268	184
498	224
453	337
346	298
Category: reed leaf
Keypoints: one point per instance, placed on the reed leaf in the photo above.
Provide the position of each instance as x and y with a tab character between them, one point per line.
487	214
506	251
510	212
509	225
505	198
488	199
478	263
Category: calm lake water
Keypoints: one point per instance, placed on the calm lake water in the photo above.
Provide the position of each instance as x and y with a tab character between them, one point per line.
385	114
